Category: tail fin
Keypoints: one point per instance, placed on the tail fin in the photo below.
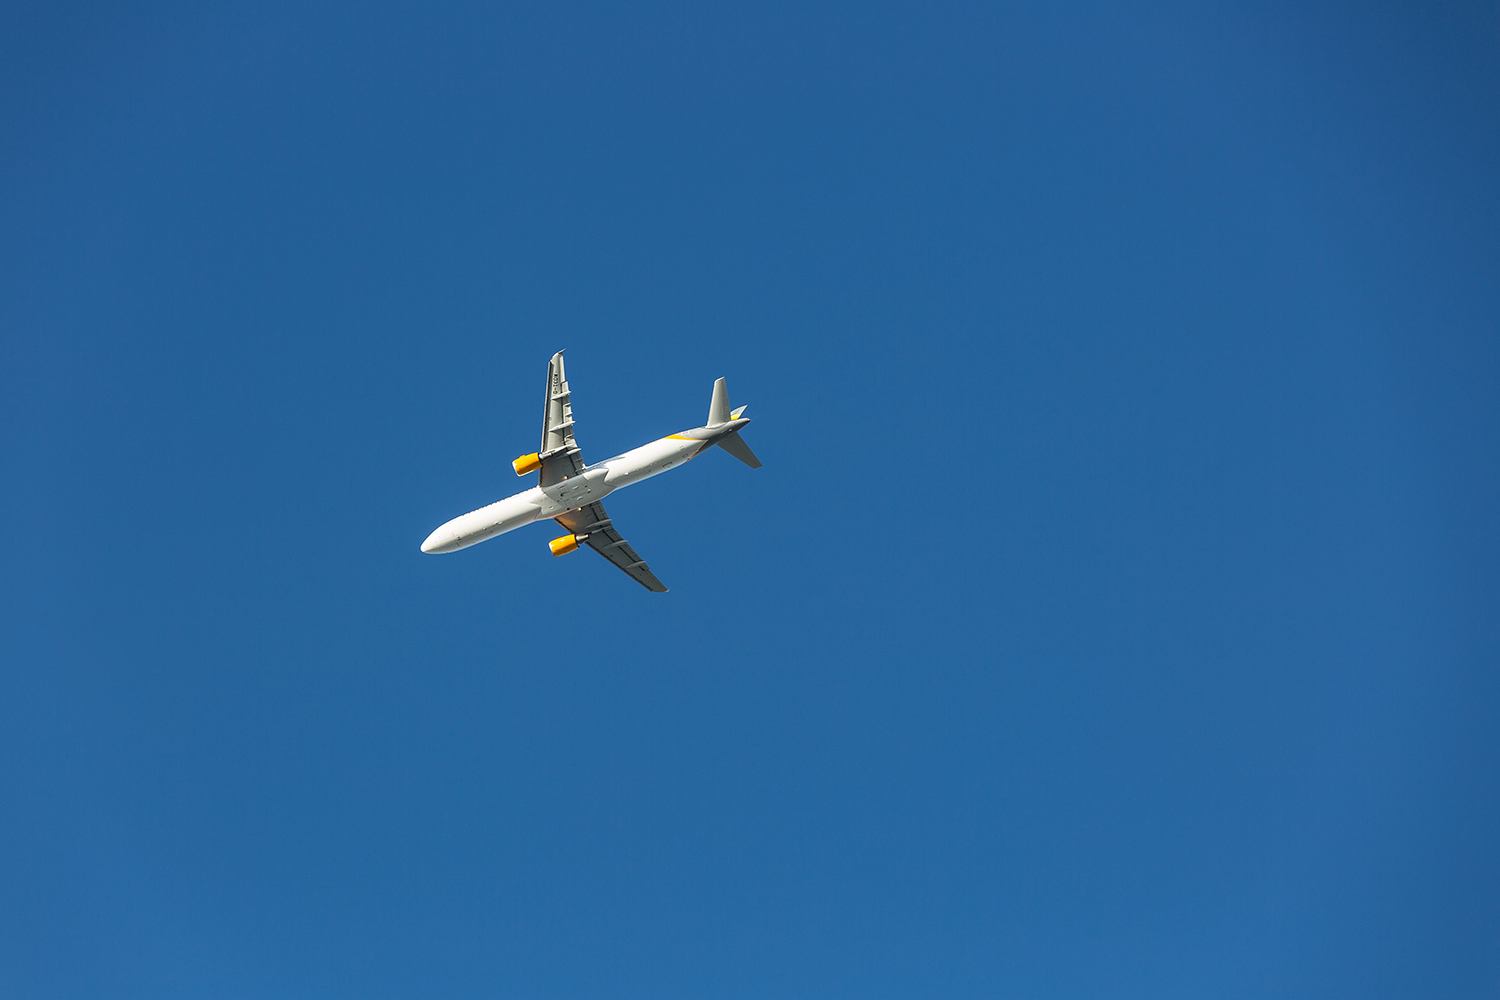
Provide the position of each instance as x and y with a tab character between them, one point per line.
718	410
718	413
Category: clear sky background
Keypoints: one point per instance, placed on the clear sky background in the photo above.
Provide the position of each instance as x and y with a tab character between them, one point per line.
1115	614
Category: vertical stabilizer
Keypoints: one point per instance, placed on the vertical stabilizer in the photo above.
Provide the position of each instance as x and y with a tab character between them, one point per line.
718	410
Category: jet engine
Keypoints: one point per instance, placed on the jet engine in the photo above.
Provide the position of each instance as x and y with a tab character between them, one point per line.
567	543
527	463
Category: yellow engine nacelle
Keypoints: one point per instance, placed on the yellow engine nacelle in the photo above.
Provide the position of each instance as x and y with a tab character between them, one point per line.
527	463
562	546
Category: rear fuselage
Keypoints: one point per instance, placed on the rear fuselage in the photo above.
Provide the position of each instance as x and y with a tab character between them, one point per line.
590	486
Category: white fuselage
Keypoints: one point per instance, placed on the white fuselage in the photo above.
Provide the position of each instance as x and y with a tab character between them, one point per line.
541	503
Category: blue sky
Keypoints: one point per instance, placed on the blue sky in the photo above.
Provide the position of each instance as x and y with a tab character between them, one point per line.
1115	613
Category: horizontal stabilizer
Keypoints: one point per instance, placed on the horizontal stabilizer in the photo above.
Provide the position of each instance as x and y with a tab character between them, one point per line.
736	446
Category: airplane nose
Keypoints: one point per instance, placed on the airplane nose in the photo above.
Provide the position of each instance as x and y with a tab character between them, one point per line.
435	541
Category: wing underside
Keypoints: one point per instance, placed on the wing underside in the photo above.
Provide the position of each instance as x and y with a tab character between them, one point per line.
559	453
605	540
561	460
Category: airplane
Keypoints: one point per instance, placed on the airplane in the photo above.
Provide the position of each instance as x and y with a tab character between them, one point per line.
569	491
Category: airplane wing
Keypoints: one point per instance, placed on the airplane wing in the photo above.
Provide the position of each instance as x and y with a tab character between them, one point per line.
559	452
605	540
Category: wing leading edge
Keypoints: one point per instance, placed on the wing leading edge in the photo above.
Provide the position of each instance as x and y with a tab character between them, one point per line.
605	540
